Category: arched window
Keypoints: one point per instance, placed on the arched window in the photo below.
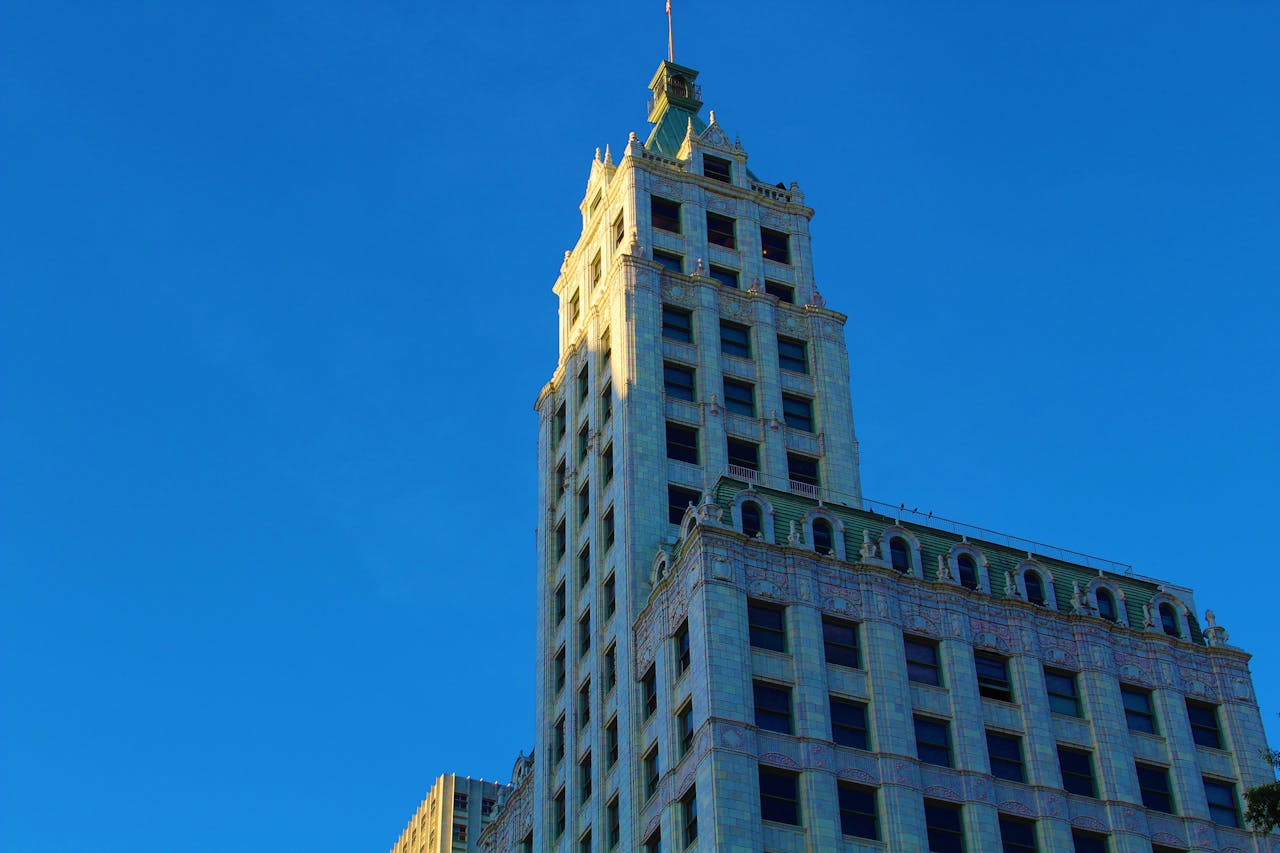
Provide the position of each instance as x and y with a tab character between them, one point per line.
899	556
1106	604
968	571
1169	620
1034	586
750	518
822	536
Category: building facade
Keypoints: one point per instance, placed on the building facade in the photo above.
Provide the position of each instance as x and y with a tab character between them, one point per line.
452	816
737	652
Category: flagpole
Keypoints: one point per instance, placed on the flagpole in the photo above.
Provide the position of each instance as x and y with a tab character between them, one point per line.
671	49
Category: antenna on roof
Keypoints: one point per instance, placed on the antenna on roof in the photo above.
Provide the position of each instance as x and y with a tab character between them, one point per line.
671	49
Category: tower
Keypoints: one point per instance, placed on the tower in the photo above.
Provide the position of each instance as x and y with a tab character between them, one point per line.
693	343
737	651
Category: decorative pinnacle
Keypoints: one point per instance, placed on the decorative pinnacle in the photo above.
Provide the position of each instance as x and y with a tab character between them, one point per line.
608	156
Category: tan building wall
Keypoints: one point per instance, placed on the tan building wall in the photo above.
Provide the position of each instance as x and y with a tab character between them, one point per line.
451	816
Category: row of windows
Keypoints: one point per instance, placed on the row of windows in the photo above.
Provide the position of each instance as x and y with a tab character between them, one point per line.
721	230
860	816
735	339
739	396
724	275
766	626
683	446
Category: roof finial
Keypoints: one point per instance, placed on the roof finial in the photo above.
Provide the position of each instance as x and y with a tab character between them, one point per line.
671	49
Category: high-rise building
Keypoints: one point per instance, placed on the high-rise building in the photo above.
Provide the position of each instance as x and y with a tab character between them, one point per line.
737	652
451	816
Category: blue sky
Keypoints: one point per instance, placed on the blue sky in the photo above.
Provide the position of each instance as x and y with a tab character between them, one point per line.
275	284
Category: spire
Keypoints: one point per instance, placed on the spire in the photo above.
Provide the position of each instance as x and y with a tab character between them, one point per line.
673	107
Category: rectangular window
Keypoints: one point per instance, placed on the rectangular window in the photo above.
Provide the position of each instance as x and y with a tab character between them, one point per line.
610	668
682	443
775	246
689	815
575	308
584	442
735	339
665	214
725	276
1137	709
558	424
649	692
611	743
1077	771
584	501
765	626
802	469
797	412
561	603
677	381
584	383
584	634
683	657
858	810
793	355
584	843
678	500
717	168
1017	835
740	397
613	824
584	778
840	641
933	741
459	832
610	596
607	532
677	324
1005	753
653	844
1087	842
744	454
779	796
923	666
1153	781
1063	697
1160	848
558	669
595	270
720	230
584	704
562	540
486	806
1204	724
783	292
557	742
559	481
669	260
849	723
651	774
773	707
619	230
1222	802
606	465
606	403
942	823
595	204
993	675
559	814
584	566
460	802
684	728
606	349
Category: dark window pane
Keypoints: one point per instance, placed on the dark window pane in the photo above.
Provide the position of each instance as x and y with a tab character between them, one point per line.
765	625
779	801
1169	620
1005	754
665	214
720	230
773	707
775	246
677	324
942	821
1088	842
1222	802
858	811
784	292
740	398
678	501
802	469
1106	604
682	443
717	168
993	676
1204	724
1077	771
933	741
1017	835
922	661
744	454
792	355
1137	709
677	381
751	519
849	723
840	641
1061	686
968	571
1035	587
669	260
735	339
1153	781
797	412
899	555
724	275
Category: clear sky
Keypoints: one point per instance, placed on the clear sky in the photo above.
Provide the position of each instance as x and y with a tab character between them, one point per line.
275	306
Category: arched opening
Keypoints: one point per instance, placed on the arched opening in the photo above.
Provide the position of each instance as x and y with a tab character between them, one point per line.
1034	586
823	537
899	556
751	518
1169	620
1106	604
968	571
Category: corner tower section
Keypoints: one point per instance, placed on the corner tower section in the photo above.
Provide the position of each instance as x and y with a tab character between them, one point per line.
694	345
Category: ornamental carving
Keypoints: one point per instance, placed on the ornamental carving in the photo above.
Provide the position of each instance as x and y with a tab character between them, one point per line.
665	187
1087	822
1061	656
773	220
1167	838
943	793
778	759
856	774
1015	807
990	634
645	644
732	736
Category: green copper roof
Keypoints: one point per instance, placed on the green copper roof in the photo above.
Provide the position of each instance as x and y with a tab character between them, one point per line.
669	132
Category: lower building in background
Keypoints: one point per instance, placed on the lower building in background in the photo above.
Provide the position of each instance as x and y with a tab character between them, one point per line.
452	816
